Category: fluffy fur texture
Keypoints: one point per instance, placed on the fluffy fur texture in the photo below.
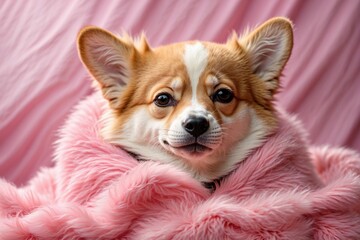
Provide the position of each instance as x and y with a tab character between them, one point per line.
283	190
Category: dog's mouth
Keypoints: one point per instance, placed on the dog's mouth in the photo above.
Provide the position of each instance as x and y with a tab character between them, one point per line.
194	149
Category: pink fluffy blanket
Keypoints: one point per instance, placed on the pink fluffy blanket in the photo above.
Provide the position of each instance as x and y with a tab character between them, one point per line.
283	190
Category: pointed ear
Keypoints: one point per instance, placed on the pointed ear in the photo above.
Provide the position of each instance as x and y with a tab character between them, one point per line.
269	47
108	60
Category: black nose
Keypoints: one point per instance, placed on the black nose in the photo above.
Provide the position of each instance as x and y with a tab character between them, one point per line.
196	125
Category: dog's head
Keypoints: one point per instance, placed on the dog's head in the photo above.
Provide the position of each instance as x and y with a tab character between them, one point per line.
200	105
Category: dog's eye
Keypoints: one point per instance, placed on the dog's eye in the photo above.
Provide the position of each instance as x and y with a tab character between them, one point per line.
164	100
223	95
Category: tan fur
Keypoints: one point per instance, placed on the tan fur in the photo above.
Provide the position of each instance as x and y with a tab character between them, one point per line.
131	74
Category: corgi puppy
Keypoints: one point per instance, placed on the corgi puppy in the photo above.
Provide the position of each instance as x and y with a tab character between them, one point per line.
200	106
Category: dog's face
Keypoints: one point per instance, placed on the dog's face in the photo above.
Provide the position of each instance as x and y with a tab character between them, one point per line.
199	105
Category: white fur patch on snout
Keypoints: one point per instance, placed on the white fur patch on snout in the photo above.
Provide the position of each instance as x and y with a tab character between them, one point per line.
178	136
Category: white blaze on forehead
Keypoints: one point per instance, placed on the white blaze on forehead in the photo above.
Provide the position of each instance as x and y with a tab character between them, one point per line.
195	59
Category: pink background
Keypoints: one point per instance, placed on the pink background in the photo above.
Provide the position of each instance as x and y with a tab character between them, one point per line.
42	78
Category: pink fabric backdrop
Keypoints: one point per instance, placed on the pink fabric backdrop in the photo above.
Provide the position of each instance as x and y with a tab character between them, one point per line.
42	78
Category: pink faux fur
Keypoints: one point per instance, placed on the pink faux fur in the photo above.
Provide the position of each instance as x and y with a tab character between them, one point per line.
97	190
